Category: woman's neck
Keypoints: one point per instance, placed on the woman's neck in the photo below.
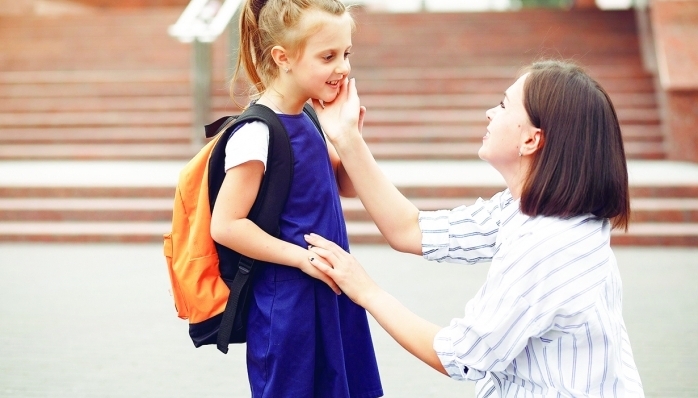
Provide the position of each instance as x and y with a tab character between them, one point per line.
516	177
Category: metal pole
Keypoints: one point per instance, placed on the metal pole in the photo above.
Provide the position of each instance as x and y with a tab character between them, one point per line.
201	87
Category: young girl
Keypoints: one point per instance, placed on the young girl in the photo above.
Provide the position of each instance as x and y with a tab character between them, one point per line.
304	339
548	321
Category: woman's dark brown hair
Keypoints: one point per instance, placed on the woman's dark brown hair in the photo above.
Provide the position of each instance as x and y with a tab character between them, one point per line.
580	167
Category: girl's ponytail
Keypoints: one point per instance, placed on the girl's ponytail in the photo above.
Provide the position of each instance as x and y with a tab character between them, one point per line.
250	47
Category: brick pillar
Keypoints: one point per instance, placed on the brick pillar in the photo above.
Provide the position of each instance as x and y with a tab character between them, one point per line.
675	27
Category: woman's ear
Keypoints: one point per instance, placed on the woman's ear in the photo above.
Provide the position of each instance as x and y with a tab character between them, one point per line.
533	141
281	58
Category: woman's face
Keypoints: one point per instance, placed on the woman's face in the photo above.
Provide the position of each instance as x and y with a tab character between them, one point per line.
508	128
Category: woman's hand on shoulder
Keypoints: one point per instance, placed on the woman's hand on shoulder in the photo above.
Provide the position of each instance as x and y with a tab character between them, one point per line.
343	117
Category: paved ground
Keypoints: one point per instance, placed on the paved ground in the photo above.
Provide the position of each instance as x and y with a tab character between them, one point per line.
98	321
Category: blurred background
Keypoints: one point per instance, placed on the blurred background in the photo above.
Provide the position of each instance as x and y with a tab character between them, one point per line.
103	101
132	82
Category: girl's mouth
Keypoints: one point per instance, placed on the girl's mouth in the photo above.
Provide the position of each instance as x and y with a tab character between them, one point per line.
333	83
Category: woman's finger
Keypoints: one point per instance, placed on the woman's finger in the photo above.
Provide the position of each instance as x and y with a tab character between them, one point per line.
362	115
318	106
329	256
322	271
319	241
320	265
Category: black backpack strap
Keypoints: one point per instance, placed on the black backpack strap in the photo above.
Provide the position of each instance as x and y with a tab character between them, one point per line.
265	211
310	111
214	128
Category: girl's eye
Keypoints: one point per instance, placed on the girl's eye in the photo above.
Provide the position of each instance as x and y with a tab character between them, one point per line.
347	54
501	103
328	57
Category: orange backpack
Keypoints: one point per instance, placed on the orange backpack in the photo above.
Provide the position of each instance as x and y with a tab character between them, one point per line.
210	282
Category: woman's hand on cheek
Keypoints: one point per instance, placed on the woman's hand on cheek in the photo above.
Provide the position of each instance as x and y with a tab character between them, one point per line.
343	268
344	115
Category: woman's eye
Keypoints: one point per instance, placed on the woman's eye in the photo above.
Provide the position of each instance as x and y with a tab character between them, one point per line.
501	103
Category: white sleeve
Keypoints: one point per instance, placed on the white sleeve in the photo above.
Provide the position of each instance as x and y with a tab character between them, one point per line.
549	279
249	142
466	234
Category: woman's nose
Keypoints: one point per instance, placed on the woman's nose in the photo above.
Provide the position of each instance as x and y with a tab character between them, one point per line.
488	113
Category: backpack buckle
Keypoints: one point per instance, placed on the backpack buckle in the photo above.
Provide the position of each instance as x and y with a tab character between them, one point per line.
245	265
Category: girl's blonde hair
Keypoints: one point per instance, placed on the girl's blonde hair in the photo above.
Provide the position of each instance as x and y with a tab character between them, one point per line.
268	23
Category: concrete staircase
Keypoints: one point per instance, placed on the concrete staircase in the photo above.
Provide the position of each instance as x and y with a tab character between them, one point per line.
112	86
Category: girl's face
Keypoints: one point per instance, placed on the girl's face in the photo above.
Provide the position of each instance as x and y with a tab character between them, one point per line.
508	129
318	71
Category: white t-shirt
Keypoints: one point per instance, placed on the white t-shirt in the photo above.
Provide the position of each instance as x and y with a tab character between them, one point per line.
249	142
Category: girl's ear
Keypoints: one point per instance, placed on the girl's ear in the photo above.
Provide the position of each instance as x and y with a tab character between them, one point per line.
533	141
280	56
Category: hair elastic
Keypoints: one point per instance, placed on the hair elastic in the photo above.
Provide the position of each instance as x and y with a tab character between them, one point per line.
257	6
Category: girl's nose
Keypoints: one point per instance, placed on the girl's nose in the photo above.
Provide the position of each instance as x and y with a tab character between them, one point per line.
344	68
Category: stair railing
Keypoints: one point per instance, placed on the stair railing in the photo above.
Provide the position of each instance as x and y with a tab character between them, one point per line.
200	24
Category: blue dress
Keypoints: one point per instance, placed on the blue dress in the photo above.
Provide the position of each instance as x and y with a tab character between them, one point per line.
302	339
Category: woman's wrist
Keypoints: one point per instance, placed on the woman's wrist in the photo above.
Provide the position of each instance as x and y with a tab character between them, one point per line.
347	141
372	297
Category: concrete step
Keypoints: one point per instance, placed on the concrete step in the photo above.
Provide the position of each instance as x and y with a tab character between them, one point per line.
85	209
137	151
182	150
131	201
96	135
143	209
367	86
444	194
474	133
479	101
132	232
644	210
639	234
428	117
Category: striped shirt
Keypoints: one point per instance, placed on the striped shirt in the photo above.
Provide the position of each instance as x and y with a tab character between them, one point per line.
548	320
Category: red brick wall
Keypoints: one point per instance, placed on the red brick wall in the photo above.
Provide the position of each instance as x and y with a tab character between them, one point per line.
675	26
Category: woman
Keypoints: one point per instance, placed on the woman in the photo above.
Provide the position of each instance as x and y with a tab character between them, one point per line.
547	322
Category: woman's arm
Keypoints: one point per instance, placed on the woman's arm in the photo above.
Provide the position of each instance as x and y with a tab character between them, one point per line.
344	183
395	216
413	333
231	227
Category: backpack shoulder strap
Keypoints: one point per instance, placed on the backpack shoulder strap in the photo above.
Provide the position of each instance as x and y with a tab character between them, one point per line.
279	156
265	212
310	111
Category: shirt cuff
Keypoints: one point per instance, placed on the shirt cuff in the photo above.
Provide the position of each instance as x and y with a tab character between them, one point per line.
435	228
443	346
